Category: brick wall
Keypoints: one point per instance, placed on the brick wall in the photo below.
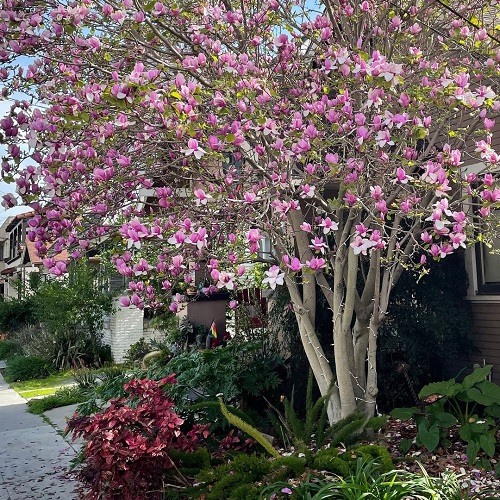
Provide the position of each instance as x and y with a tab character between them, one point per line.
126	327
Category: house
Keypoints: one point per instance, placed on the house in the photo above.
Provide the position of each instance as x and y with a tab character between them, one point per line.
483	271
18	259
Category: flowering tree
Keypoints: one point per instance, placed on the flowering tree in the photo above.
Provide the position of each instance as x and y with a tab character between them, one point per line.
190	131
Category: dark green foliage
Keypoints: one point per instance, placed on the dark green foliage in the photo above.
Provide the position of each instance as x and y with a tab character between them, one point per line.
287	467
245	492
113	379
85	378
377	454
62	397
344	463
220	482
474	404
248	429
428	321
137	351
8	349
242	372
27	368
198	459
352	428
16	313
215	405
290	428
330	461
72	311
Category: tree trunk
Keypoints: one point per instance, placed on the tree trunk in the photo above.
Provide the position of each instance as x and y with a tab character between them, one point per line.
371	377
360	334
318	362
341	341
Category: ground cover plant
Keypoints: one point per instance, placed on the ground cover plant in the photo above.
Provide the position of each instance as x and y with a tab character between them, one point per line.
63	396
44	386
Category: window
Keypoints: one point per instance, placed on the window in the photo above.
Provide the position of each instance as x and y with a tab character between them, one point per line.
488	268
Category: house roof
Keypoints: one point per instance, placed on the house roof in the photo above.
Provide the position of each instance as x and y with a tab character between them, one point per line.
15	220
36	260
8	270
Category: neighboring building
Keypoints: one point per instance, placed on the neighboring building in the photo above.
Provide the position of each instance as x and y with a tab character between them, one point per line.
18	259
483	271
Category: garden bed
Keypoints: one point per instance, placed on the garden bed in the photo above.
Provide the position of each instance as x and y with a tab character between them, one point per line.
451	459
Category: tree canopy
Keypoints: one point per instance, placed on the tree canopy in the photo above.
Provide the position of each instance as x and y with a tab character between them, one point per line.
357	136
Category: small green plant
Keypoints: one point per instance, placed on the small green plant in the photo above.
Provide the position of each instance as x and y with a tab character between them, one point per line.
473	404
85	378
26	368
352	429
137	351
292	429
8	349
62	397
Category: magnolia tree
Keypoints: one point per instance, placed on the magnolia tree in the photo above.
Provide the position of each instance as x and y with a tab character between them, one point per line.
187	132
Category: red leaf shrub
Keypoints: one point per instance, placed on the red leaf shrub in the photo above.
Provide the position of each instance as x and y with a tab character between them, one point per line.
128	443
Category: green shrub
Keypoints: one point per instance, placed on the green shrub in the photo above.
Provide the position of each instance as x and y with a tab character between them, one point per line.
344	464
331	461
62	397
284	468
8	349
27	368
137	351
223	480
379	454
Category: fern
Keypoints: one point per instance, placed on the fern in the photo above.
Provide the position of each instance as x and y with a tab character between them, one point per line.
248	429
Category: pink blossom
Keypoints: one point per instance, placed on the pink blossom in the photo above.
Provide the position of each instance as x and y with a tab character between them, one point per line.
294	264
125	301
201	197
328	225
316	263
274	277
318	245
361	245
193	149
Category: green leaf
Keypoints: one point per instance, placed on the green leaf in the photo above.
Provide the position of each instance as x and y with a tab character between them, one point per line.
404	413
490	389
472	451
487	442
476	395
405	445
429	437
444	419
493	411
445	388
497	470
476	376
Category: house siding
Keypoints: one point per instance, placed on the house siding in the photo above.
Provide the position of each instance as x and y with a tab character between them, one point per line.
487	336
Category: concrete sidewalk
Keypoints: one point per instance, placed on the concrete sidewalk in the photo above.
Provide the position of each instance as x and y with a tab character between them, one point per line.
34	458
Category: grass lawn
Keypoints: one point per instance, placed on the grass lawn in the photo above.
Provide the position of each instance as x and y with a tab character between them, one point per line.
42	386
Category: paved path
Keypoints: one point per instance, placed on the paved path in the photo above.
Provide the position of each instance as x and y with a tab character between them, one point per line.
33	456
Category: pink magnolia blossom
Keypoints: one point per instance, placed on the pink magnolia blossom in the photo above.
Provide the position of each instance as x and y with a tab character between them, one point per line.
274	277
